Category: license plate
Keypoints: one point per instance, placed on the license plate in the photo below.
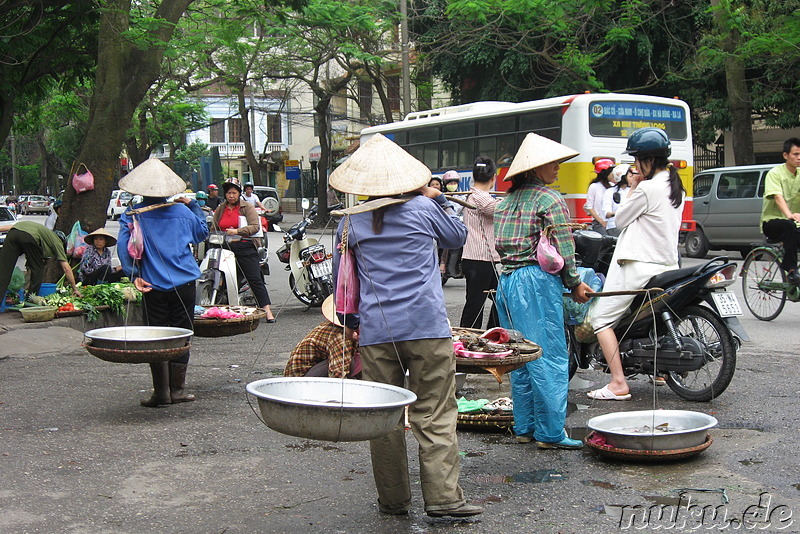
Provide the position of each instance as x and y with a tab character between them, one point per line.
321	269
727	303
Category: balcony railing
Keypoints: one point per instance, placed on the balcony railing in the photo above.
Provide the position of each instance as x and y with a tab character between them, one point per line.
229	149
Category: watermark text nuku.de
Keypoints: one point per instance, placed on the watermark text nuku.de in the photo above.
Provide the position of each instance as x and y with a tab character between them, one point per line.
688	515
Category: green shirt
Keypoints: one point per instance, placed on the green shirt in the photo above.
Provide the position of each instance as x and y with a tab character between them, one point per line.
49	242
518	222
780	181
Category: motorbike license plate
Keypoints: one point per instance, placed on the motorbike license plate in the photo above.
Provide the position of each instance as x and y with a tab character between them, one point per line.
727	303
321	269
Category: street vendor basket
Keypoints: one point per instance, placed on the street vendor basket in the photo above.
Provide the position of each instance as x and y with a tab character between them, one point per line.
230	327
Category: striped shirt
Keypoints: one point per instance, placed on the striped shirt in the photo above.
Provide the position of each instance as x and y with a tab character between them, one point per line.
480	227
518	222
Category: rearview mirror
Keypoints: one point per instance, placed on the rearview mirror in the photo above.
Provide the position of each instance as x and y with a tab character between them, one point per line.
305	203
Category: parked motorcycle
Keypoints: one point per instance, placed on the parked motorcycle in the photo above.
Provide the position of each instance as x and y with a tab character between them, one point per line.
684	333
220	282
311	278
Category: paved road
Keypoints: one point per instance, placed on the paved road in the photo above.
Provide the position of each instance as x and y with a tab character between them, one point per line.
78	454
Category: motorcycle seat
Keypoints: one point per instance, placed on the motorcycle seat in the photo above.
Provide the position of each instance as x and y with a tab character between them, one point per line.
666	279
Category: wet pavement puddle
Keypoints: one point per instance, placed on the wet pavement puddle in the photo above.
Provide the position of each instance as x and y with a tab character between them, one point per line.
599	484
527	477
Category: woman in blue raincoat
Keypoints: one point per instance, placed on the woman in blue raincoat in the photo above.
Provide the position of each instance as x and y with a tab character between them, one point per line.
529	298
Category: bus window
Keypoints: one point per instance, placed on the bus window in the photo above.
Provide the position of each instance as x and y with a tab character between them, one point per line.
496	125
417	151
431	159
449	154
466	153
506	148
487	146
458	131
401	138
423	135
546	122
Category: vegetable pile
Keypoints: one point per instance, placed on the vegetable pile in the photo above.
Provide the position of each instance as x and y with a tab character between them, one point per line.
112	295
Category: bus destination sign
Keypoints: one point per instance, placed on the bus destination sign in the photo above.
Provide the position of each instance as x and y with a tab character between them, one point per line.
620	119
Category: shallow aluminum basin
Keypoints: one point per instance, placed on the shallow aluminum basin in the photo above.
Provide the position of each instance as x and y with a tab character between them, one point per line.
330	409
635	430
139	337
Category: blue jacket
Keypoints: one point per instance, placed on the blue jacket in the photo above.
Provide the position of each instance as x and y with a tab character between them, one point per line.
168	261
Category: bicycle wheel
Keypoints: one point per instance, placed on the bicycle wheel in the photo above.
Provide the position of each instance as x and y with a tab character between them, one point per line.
764	284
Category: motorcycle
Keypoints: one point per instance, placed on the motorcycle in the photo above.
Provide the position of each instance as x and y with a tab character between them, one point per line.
311	278
219	282
684	332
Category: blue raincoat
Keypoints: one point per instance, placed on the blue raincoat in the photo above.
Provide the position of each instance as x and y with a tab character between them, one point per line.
530	300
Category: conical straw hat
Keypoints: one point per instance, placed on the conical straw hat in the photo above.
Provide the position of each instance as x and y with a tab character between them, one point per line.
152	179
329	311
536	151
380	168
110	239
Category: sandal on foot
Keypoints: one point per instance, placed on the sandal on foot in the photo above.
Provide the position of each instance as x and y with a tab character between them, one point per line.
606	394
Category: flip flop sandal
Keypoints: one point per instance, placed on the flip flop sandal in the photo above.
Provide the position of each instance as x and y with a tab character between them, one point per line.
606	394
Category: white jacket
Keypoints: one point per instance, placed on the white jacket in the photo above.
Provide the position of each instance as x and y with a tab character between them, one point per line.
650	223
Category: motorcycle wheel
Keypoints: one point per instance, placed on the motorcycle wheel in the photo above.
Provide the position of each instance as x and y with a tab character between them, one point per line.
719	349
206	289
297	292
321	291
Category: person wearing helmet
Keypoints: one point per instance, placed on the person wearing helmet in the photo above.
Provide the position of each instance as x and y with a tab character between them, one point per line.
38	244
650	220
201	198
594	195
214	200
251	197
451	180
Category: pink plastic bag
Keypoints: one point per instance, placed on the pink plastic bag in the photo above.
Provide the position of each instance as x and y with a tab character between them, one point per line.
136	241
83	182
546	254
347	285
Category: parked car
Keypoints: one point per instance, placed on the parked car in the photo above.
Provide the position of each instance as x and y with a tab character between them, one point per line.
34	204
727	209
7	216
189	194
272	202
118	204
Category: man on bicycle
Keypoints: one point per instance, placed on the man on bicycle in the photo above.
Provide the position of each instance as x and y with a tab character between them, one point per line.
780	214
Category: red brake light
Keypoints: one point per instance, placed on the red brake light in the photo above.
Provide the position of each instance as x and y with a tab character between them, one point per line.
318	257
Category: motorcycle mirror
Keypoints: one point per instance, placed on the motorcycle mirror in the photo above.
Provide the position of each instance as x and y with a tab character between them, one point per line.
276	228
305	203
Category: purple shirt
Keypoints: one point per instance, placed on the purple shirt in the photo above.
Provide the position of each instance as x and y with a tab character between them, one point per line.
401	296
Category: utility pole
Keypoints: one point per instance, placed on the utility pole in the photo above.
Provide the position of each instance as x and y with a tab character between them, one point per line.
404	59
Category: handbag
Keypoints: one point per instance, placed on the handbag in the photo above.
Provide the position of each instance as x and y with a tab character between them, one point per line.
136	241
83	182
347	284
547	255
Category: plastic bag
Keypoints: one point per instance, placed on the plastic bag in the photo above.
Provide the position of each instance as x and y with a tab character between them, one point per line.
17	281
575	312
347	284
75	243
83	182
546	254
136	241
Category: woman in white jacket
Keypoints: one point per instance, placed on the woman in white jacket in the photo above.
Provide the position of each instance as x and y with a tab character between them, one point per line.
650	220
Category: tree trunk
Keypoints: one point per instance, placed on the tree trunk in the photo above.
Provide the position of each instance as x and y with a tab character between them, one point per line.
739	101
252	161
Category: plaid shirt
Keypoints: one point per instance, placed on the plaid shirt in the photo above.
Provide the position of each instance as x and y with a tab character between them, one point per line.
518	222
324	342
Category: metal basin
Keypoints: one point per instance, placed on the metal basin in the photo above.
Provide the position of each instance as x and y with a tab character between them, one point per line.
139	337
656	430
330	409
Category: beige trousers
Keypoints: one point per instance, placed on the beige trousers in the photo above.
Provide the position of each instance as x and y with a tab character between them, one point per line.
431	365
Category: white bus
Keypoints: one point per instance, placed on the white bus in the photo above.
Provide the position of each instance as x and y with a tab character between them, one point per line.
596	125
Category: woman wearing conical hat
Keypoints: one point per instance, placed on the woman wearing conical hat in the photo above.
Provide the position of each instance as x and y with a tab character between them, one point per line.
403	320
528	297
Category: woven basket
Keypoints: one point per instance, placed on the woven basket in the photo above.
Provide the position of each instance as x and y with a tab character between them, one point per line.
484	421
477	365
648	456
137	356
228	327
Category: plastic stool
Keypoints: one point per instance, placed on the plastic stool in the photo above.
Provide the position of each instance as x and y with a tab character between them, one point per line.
3	306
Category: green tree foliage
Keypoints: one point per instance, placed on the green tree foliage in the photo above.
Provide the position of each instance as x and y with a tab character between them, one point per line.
191	154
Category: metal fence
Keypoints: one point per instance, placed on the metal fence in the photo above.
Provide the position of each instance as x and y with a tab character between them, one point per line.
708	159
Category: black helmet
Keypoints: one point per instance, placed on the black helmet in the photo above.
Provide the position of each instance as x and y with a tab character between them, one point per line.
63	237
649	142
248	184
227	185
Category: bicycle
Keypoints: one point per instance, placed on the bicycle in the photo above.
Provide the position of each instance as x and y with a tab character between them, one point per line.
764	282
